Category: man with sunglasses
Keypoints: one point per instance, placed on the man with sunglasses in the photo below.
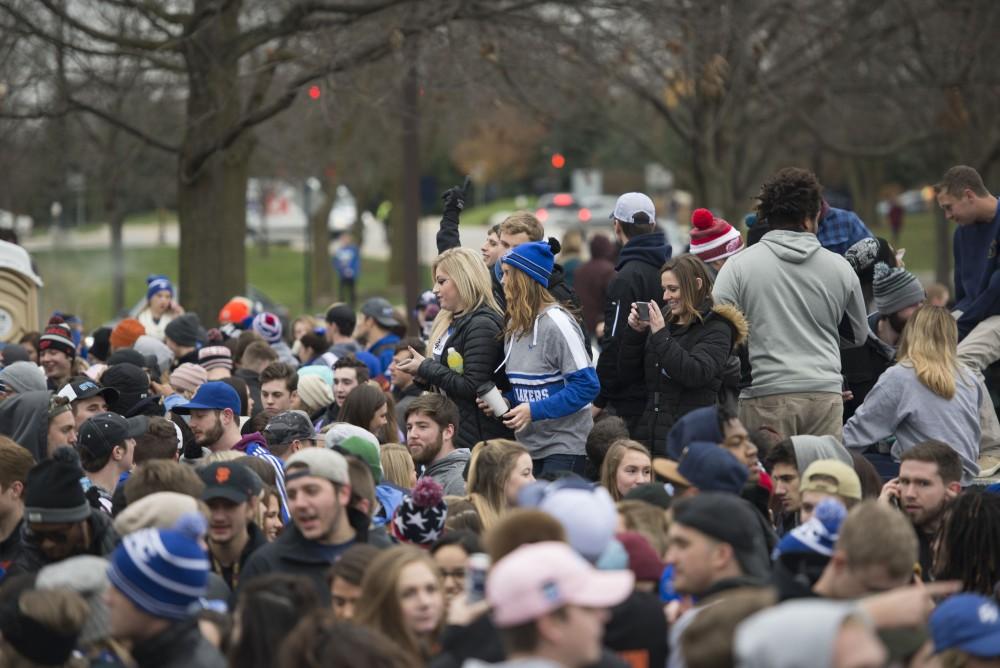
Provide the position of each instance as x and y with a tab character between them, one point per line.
59	522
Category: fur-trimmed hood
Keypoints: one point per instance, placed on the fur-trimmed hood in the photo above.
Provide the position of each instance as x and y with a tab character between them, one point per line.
736	320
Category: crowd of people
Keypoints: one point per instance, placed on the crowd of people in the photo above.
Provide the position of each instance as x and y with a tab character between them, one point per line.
770	451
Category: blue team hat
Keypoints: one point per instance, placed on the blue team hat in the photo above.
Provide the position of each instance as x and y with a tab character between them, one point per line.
968	622
157	283
212	396
707	466
534	258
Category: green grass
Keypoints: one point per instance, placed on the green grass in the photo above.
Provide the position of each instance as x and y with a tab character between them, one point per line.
480	215
918	238
80	282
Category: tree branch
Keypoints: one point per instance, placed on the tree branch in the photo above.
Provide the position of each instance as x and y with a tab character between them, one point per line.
120	40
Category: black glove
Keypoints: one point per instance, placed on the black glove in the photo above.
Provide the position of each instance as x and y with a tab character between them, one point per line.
454	199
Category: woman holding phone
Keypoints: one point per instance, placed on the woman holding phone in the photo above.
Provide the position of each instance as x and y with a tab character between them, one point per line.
465	343
681	351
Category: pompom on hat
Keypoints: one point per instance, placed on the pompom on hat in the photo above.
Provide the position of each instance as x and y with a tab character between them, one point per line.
162	571
419	519
58	336
158	283
268	326
713	238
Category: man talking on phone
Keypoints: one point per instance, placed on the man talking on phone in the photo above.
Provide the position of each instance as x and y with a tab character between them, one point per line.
637	279
929	478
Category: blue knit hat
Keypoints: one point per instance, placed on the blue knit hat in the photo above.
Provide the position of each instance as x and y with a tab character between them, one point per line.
819	534
534	258
156	283
162	571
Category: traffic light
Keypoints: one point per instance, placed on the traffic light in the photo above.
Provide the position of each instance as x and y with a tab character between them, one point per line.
558	160
314	92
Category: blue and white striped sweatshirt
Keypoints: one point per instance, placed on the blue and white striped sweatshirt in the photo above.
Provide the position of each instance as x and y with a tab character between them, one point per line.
548	368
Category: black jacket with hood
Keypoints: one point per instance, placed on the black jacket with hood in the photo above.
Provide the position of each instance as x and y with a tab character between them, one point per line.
683	367
477	337
637	280
293	553
24	417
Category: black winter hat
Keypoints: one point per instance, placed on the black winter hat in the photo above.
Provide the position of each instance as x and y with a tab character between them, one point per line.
54	494
185	330
101	347
126	355
132	384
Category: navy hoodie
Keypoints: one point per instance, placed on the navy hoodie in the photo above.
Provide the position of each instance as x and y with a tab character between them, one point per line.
977	281
637	280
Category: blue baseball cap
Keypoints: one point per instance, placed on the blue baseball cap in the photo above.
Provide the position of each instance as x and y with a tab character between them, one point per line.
706	466
211	396
968	622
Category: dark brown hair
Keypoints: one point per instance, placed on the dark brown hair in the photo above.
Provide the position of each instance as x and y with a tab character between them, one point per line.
162	475
159	441
361	405
960	178
935	452
352	362
280	371
437	407
788	199
688	269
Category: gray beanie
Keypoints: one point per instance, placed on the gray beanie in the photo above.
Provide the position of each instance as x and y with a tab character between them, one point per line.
23	377
185	330
895	289
87	576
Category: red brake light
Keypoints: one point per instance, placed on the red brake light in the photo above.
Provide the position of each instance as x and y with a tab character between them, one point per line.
583	214
563	199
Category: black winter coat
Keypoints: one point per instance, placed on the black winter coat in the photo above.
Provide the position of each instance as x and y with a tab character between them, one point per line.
180	646
683	368
637	280
293	553
476	336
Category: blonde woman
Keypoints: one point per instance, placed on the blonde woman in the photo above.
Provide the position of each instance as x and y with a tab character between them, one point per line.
397	466
498	469
547	364
464	343
927	396
627	465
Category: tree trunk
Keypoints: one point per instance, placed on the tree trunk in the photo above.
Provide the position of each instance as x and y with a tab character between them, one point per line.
212	192
410	178
942	252
864	177
322	269
116	219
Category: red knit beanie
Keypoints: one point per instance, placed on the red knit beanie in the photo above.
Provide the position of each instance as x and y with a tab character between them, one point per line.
126	332
713	238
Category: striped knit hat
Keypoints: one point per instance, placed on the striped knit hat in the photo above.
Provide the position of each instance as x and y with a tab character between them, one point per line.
268	326
162	571
216	357
188	377
895	289
713	238
58	336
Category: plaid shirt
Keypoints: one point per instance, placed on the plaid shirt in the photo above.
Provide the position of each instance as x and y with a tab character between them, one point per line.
840	229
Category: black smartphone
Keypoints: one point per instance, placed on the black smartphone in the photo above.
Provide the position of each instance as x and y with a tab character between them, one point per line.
643	309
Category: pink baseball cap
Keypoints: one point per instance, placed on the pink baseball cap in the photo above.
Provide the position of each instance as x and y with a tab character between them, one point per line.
538	578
